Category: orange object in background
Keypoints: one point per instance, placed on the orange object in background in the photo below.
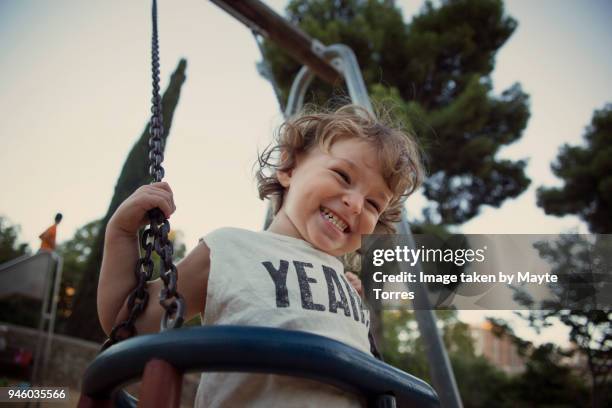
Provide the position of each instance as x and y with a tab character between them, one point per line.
47	238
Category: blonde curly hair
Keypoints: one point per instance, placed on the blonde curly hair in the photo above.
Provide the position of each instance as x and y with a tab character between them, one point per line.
398	153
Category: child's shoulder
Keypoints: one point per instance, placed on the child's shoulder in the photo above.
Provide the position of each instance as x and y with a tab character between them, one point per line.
225	233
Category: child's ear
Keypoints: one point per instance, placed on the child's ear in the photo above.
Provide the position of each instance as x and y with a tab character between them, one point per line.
284	177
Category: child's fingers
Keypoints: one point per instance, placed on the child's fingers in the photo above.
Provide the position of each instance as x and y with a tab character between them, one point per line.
131	214
161	188
165	195
355	282
157	200
351	276
162	185
164	188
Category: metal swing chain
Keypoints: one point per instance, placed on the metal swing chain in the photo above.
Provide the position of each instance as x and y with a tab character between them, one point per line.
155	237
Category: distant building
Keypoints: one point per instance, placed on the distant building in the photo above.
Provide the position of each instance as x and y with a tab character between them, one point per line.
500	351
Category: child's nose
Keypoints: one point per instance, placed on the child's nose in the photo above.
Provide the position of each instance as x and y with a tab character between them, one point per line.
354	201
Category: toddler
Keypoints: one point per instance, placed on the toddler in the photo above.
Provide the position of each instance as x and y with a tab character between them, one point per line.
336	176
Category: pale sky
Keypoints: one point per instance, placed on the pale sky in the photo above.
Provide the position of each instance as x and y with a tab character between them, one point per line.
75	91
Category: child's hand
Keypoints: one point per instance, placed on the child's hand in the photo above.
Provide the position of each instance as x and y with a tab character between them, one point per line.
132	213
355	282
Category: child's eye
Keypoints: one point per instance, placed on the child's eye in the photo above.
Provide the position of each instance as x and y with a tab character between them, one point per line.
375	205
344	176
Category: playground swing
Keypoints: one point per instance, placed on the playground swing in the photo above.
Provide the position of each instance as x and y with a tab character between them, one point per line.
161	359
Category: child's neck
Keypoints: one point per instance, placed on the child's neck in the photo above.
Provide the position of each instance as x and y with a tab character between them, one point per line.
281	224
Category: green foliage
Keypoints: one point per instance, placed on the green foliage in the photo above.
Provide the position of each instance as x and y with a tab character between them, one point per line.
83	321
404	347
436	71
74	253
576	261
9	246
547	382
20	310
16	309
480	384
586	172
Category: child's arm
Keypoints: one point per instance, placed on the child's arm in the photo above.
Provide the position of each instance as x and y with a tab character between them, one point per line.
121	255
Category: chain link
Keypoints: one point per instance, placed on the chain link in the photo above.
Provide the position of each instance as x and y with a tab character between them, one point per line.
155	237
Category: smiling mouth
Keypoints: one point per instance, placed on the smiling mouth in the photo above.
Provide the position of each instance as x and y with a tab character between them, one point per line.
335	220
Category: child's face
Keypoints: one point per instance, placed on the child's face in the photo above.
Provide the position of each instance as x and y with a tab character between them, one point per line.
345	184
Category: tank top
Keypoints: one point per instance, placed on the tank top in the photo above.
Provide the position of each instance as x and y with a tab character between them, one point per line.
272	280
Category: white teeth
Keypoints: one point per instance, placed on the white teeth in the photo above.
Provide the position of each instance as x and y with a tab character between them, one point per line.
341	225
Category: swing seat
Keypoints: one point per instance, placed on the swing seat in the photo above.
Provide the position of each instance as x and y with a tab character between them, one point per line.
250	349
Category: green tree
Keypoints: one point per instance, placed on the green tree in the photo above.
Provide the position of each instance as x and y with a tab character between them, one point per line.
83	321
547	382
586	172
404	348
481	385
16	309
74	253
437	71
10	248
583	269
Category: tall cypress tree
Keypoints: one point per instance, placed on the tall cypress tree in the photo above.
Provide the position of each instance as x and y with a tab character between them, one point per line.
84	319
437	69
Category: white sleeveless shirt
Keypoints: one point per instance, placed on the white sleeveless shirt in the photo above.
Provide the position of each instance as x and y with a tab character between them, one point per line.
272	280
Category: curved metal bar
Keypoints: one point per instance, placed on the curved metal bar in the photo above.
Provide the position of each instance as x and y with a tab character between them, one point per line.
256	349
343	58
298	91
